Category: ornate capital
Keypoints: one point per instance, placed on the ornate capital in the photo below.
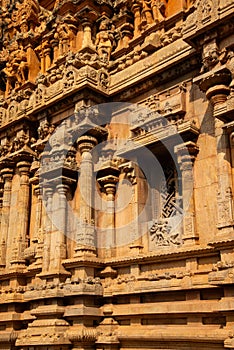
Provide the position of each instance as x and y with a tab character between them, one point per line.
24	167
108	184
186	153
86	143
108	177
216	86
7	172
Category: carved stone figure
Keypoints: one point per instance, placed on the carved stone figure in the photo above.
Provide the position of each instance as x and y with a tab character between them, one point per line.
105	40
16	69
66	36
161	233
45	129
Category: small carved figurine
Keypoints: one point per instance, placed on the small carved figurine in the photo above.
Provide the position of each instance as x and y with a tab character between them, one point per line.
105	40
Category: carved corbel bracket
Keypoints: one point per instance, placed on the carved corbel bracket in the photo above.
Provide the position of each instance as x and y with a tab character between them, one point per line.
229	342
215	84
108	185
129	168
186	152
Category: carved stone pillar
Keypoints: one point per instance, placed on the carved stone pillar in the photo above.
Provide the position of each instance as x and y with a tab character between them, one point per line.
108	184
87	34
1	195
34	251
216	86
125	30
38	216
7	175
38	229
42	57
55	44
20	241
86	234
58	236
48	229
156	9
186	155
47	50
225	145
137	19
132	174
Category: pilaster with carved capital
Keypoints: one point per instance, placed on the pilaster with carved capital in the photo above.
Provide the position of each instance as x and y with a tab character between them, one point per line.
58	235
108	177
87	34
86	234
186	154
225	173
215	84
132	173
7	175
20	241
137	18
34	251
48	193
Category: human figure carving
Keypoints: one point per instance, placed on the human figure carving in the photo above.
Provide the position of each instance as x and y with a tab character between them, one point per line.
104	40
21	66
10	75
16	69
65	36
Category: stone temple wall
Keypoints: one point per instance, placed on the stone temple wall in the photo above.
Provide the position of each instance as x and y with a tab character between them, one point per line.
116	174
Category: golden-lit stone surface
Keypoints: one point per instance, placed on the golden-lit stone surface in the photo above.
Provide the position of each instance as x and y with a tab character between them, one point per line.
116	174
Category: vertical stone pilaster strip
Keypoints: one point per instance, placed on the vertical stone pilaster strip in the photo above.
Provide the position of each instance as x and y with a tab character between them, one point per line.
38	216
48	229
58	236
7	175
137	19
186	155
87	34
109	185
133	175
217	87
86	231
20	241
224	173
38	229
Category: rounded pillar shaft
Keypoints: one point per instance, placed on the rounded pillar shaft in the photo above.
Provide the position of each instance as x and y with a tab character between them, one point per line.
7	175
20	241
58	236
86	231
48	229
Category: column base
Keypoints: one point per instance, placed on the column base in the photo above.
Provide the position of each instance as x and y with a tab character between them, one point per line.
190	240
136	248
60	272
84	250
